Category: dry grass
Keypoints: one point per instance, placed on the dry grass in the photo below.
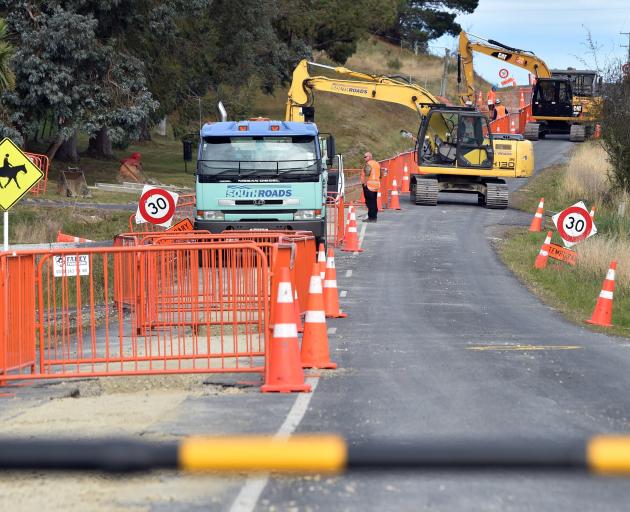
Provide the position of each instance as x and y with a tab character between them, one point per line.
586	176
595	255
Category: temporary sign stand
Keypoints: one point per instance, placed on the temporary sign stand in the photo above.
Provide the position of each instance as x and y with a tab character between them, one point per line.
574	224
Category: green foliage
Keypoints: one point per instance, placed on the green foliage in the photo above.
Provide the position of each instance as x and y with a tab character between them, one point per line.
422	20
615	115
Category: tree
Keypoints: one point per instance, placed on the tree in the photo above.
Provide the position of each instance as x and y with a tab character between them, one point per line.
420	21
7	83
65	73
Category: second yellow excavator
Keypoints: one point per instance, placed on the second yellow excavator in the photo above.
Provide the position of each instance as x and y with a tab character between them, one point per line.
563	101
455	152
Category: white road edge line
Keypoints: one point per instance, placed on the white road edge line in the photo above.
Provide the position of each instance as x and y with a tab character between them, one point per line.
332	330
253	488
343	293
349	272
361	237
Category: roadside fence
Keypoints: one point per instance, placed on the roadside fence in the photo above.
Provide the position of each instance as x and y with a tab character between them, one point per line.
43	163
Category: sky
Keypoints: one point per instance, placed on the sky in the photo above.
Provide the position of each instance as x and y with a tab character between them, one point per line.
555	30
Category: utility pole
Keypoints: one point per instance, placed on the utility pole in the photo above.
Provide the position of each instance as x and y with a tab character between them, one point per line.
628	45
444	72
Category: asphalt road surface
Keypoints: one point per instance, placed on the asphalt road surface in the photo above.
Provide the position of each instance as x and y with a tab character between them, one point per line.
441	340
431	310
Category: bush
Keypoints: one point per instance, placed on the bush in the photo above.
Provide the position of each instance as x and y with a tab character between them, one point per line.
615	116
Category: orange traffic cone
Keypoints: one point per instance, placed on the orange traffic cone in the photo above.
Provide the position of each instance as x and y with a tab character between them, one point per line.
405	180
602	314
395	201
315	352
536	224
598	131
331	296
592	213
479	100
62	237
321	261
543	255
351	242
512	126
521	101
283	367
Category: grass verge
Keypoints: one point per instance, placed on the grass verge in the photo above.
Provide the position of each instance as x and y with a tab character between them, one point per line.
574	290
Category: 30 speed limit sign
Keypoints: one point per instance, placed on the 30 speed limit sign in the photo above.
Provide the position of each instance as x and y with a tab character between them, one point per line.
157	206
574	224
503	73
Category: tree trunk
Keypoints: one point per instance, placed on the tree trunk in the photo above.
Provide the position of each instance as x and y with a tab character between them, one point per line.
100	145
145	133
67	151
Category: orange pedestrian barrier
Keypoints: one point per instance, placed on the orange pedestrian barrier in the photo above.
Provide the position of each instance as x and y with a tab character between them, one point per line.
43	163
284	373
395	201
602	314
543	255
351	243
331	293
335	219
315	351
536	224
62	237
70	324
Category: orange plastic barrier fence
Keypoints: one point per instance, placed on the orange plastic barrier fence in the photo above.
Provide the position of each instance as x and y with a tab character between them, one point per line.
43	163
335	219
200	308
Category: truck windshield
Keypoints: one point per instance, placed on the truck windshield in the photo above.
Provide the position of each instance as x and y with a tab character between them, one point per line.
248	155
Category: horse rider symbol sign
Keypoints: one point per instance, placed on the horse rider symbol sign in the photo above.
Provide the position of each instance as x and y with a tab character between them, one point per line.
17	174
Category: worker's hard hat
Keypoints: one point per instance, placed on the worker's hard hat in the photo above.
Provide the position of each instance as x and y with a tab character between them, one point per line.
490	102
498	101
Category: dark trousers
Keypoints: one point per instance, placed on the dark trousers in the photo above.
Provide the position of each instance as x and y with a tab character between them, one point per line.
370	202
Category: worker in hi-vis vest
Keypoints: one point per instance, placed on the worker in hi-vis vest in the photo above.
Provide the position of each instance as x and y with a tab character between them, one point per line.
500	109
371	180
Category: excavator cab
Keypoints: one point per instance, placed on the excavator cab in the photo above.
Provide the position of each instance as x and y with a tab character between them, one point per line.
552	97
455	137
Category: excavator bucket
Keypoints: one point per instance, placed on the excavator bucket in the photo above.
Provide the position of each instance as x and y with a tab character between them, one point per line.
72	183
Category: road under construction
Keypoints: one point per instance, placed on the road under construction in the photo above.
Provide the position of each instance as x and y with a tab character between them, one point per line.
438	343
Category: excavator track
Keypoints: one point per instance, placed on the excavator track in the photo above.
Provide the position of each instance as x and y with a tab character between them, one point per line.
497	196
426	191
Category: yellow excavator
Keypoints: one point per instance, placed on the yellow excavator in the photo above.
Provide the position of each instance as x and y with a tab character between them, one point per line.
563	101
455	149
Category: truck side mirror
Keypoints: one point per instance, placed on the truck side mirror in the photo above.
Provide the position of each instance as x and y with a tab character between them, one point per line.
330	149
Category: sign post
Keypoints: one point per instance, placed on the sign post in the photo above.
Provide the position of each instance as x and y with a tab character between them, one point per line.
21	174
574	224
156	206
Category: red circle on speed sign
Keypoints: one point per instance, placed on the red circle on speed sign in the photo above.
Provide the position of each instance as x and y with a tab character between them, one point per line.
503	73
626	68
577	215
156	206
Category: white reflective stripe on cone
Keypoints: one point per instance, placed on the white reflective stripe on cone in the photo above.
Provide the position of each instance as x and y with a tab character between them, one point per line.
330	262
330	283
352	229
610	275
315	317
315	285
539	215
284	293
285	331
605	294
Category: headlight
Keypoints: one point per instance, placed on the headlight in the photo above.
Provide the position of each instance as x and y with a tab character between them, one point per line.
307	214
210	215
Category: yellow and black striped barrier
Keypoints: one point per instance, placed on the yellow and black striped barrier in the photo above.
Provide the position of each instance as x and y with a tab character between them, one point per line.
318	454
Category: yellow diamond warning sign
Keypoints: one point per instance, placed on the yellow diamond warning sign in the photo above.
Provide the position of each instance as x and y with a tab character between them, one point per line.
17	174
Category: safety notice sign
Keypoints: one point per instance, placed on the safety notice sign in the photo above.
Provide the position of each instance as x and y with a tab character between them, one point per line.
574	224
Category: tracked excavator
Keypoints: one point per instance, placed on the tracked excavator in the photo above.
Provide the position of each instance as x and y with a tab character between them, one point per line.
455	149
563	101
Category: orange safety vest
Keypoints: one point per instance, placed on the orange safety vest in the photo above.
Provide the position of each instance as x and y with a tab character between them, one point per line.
501	111
374	179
